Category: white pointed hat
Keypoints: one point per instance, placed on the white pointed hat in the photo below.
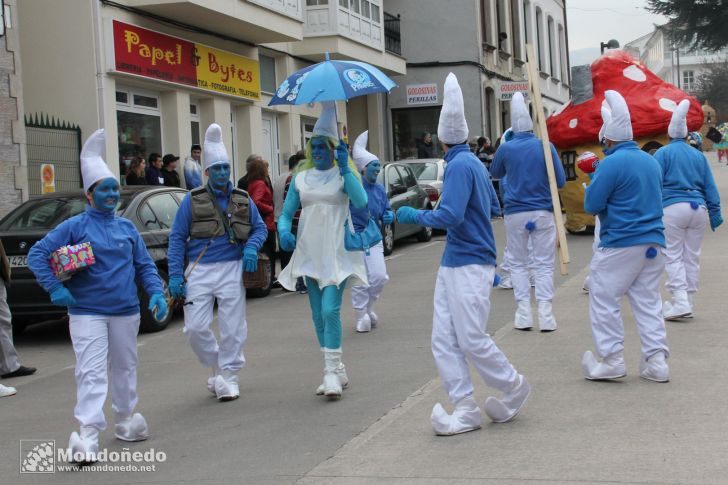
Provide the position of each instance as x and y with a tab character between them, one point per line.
361	156
213	149
678	128
619	127
452	128
606	118
520	119
93	167
326	124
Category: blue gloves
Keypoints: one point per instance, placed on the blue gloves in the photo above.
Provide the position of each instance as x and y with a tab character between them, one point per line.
62	297
288	241
158	302
408	215
177	287
250	259
342	158
388	217
715	221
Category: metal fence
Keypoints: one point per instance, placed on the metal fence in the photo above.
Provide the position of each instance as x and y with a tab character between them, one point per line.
55	142
392	36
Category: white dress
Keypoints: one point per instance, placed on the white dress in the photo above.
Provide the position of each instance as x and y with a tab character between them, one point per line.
320	253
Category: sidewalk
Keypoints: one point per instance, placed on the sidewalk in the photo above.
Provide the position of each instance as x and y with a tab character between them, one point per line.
573	430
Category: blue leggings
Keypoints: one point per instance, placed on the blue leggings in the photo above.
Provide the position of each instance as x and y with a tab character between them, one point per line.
326	312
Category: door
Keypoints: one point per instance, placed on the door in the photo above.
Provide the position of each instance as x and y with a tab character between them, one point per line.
270	144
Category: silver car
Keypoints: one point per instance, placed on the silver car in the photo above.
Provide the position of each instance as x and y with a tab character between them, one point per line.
428	171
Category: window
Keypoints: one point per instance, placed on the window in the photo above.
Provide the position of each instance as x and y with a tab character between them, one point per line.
267	74
375	13
394	179
562	50
688	80
139	125
307	125
313	3
568	159
355	6
158	212
195	124
365	8
516	31
408	177
484	19
527	23
539	39
122	97
552	48
409	126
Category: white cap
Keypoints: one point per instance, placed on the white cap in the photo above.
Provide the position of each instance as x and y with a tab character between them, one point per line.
520	119
93	167
326	124
619	127
361	156
452	128
606	118
678	128
213	149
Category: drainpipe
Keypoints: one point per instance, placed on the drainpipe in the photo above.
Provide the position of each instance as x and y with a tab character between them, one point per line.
99	63
566	38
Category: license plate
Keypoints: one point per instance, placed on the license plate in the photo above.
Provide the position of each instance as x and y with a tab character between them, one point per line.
18	261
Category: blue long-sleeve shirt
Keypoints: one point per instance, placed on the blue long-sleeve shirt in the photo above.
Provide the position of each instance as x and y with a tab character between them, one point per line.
686	176
626	193
193	174
464	210
522	159
107	287
220	248
377	205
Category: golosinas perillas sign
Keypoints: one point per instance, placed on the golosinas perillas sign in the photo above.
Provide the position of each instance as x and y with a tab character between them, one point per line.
150	54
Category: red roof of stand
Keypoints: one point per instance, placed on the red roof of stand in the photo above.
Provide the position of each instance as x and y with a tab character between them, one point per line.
651	102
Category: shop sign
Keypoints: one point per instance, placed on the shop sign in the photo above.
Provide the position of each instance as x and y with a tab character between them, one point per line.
159	56
422	94
506	89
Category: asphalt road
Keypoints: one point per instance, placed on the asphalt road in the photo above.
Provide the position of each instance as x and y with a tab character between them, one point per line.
278	430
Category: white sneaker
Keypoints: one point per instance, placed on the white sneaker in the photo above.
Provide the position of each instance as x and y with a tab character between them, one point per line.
343	379
226	388
84	445
655	368
465	417
677	307
504	410
132	428
332	385
6	391
505	282
524	318
363	322
546	320
611	367
373	318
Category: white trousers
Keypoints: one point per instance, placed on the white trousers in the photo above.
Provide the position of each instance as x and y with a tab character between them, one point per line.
98	340
462	306
684	229
363	297
541	257
616	272
8	356
222	282
597	236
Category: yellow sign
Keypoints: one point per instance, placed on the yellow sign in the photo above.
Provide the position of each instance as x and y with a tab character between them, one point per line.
227	73
47	178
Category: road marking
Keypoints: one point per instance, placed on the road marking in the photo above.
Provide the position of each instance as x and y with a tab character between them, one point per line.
423	246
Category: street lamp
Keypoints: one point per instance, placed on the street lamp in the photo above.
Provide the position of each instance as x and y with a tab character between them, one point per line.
611	44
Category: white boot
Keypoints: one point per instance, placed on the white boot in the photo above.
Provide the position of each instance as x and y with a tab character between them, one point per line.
505	409
505	282
524	319
691	295
465	417
332	384
84	445
211	380
655	368
372	316
363	322
132	428
546	320
677	307
226	386
610	367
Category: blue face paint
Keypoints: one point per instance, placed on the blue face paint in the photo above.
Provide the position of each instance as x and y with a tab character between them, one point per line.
371	171
106	195
321	153
219	175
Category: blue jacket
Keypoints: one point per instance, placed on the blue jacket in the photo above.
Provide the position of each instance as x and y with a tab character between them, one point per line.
377	205
686	176
193	174
107	287
523	161
626	193
465	210
154	176
220	248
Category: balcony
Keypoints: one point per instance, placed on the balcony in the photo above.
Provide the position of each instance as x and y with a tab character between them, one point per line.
392	37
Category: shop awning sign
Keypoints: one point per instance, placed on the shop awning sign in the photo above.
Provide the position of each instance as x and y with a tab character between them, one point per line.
150	54
422	94
506	89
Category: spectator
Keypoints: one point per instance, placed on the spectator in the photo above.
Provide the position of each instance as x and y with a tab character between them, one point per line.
261	191
169	172
193	168
485	151
154	170
425	149
285	256
243	182
136	175
283	180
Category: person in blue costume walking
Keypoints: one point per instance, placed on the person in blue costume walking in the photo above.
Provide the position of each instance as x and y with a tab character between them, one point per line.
626	193
363	297
529	217
103	305
690	200
218	252
464	282
323	187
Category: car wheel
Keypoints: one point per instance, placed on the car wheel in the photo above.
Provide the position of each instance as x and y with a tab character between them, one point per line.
388	239
265	291
148	323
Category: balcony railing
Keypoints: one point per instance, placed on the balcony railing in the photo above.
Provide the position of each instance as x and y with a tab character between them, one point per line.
392	36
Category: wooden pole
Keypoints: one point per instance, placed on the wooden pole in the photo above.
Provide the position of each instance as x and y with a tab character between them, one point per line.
535	90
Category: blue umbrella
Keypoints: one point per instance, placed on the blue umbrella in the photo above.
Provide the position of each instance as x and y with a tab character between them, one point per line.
330	81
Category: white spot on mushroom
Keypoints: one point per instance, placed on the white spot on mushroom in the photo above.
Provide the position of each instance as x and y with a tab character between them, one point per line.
573	122
634	73
668	104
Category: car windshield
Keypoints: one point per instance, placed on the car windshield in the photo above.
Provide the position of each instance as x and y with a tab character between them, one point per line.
47	213
424	171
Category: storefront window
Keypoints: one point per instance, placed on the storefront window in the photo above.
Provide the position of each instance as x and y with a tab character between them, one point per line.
267	74
410	127
138	124
195	124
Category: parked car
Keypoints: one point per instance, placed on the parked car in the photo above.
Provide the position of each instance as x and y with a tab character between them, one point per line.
402	189
151	209
429	171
